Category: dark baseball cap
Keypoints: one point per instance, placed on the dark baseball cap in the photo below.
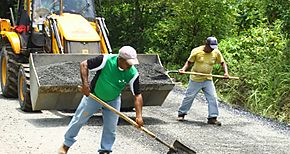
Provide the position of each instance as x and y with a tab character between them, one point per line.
212	42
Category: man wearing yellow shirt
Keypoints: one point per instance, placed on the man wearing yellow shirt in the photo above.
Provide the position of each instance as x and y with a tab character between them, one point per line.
203	58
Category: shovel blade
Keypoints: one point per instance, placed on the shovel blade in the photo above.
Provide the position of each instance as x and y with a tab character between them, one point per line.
180	148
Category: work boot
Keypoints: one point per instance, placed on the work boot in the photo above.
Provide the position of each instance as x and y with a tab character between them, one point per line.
180	117
63	149
213	121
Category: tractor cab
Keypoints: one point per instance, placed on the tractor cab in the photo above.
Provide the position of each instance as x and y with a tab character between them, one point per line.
36	11
43	8
40	21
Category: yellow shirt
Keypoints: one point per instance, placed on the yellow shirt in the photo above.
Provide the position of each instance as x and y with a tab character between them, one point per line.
204	62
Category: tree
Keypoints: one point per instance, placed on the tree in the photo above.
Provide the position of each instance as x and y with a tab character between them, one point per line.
4	8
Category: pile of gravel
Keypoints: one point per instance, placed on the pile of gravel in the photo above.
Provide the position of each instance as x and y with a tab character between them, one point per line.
68	73
152	74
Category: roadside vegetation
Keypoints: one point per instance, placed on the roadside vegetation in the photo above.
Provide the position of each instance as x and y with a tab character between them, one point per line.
253	37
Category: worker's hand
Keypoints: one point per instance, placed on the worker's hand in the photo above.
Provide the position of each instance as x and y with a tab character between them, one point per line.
226	76
140	121
181	71
86	90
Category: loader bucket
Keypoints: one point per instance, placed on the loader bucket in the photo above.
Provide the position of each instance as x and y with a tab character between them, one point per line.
54	80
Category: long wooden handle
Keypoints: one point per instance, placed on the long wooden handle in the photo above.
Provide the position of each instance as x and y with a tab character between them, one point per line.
122	115
132	122
129	120
218	76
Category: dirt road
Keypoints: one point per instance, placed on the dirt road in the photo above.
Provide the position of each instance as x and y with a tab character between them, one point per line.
241	132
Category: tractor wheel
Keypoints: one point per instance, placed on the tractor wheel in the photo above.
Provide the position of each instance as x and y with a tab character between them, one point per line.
24	88
9	71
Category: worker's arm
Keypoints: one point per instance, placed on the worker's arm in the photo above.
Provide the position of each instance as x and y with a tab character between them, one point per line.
185	67
226	73
138	99
96	64
191	59
138	108
84	76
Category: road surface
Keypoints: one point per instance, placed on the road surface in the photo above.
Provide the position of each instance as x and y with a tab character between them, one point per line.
241	132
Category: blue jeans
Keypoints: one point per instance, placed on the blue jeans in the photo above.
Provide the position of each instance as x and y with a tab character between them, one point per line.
85	110
210	94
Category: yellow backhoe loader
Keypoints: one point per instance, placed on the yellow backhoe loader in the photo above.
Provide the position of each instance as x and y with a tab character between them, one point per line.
51	32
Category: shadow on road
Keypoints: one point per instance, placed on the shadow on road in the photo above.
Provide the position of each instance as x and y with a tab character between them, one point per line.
147	121
95	120
33	112
192	122
50	122
1	96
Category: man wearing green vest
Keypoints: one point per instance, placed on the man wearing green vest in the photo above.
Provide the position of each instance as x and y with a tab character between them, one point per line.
113	73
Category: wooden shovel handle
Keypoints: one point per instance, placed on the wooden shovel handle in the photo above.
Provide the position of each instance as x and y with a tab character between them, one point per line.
129	120
218	76
122	115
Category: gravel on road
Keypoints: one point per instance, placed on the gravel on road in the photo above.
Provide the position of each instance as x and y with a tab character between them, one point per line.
240	133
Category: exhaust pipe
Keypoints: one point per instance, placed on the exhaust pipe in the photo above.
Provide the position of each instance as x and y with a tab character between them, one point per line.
61	8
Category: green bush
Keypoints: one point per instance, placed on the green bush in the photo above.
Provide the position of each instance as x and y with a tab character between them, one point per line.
187	25
260	58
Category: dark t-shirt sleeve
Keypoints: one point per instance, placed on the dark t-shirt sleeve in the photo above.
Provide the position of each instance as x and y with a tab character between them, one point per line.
95	62
136	86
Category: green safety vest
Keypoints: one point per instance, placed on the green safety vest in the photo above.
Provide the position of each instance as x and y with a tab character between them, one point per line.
112	80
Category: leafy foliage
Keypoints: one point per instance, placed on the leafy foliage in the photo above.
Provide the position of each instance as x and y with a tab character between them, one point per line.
253	35
128	20
250	14
261	59
279	9
4	8
189	23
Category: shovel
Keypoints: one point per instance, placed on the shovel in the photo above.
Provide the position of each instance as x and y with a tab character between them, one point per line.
177	148
195	73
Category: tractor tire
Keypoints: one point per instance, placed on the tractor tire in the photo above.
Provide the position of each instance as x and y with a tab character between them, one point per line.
24	88
9	71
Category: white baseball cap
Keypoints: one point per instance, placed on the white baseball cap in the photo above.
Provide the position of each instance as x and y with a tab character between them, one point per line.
129	54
